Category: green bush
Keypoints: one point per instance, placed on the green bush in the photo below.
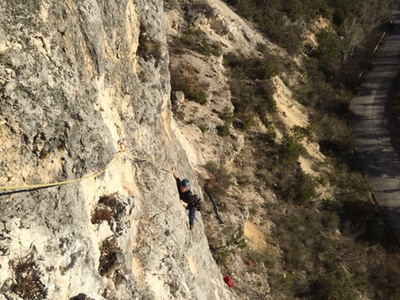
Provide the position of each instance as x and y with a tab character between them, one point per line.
148	48
227	115
295	256
219	179
261	47
329	50
295	186
301	132
269	70
5	60
252	211
271	133
271	105
329	286
190	36
194	91
257	96
248	124
211	166
203	127
194	39
209	49
290	148
222	257
305	189
223	130
238	239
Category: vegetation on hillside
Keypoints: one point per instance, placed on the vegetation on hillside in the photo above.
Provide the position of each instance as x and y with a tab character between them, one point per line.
333	245
340	247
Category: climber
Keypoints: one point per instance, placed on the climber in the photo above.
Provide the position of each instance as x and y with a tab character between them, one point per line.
186	197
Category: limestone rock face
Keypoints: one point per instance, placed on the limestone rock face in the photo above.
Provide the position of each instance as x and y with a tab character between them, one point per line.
85	101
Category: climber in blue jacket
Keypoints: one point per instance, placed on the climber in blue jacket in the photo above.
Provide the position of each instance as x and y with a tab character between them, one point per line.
185	196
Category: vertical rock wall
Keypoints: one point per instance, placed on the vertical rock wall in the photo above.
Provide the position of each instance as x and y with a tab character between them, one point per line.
84	93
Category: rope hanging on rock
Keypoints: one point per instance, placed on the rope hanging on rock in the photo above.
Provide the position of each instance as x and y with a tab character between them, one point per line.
44	185
214	205
123	150
117	156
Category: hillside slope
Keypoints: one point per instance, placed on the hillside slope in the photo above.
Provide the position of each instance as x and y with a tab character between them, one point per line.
216	23
292	215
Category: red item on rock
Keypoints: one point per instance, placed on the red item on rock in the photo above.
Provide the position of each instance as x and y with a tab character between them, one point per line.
228	280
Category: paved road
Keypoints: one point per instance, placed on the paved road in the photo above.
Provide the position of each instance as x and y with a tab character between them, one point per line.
376	143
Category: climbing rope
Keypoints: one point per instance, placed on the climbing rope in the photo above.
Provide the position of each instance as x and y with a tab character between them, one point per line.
44	185
117	156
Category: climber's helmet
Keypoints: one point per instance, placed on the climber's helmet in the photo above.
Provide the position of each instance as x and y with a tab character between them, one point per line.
185	184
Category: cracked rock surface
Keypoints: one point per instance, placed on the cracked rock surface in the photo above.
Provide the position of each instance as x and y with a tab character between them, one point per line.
85	101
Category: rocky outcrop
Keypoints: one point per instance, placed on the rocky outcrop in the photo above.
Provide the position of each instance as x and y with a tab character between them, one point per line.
85	101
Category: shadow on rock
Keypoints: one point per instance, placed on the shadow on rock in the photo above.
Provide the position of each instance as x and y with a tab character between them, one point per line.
81	296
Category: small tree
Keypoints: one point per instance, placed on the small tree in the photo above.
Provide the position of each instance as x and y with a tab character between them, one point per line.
219	180
305	189
329	50
290	148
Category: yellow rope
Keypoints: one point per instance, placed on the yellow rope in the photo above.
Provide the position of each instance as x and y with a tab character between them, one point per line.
43	185
123	149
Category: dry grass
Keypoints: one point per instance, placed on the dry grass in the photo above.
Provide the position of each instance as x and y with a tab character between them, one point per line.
27	283
109	256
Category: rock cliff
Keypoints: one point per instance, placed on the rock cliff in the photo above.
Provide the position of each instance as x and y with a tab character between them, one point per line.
85	101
